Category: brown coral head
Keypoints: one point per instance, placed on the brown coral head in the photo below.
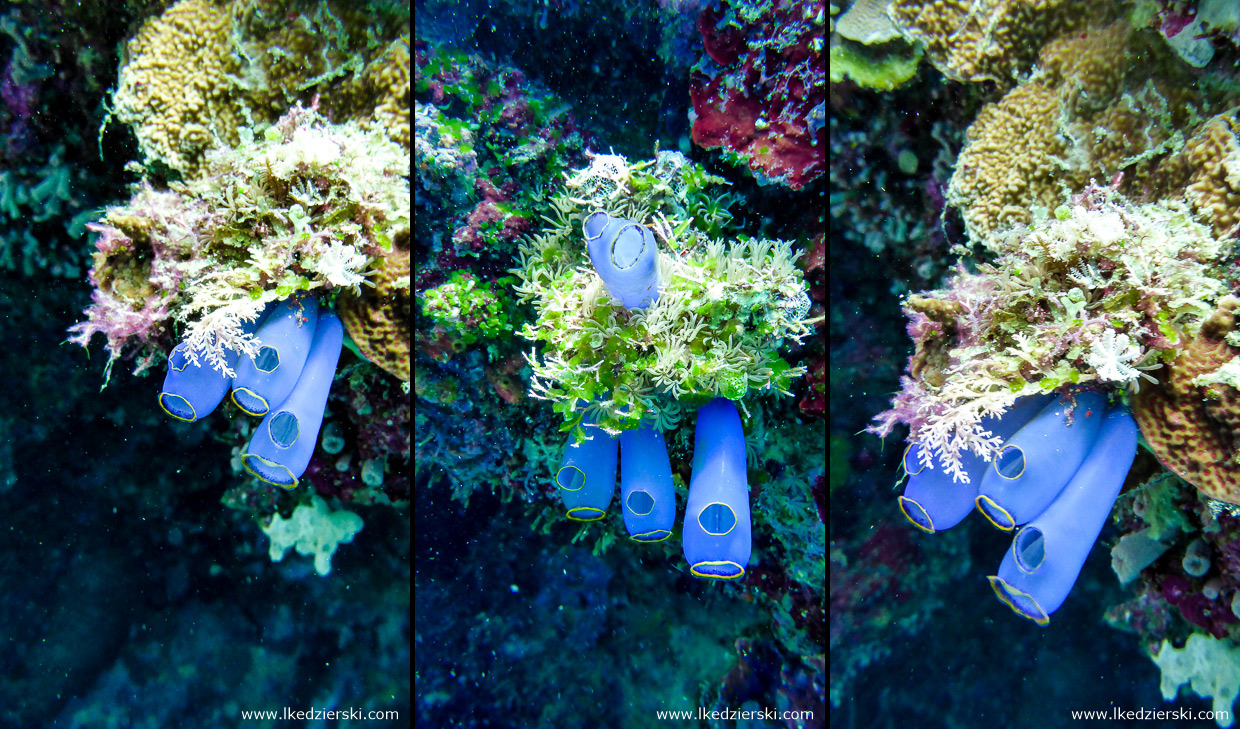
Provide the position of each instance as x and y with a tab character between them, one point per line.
1194	429
378	319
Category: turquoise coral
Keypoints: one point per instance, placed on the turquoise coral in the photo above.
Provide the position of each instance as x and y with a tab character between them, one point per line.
1210	667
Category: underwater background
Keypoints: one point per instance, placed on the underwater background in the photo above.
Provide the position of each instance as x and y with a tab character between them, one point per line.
1033	204
148	579
703	123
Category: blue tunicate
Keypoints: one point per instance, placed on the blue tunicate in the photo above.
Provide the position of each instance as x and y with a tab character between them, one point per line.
717	538
191	391
1059	475
587	477
263	381
625	255
933	500
284	441
1047	554
1035	464
647	495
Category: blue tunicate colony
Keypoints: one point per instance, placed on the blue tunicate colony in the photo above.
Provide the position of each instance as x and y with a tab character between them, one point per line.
286	383
717	538
1058	473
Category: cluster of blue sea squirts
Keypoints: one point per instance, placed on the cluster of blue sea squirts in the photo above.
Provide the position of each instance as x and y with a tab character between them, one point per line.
286	381
1058	473
717	539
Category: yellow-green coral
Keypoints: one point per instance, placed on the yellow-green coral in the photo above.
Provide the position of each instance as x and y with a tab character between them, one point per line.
995	40
881	72
1101	101
195	75
722	311
474	310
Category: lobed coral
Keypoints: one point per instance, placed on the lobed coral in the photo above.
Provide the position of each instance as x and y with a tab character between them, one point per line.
1190	417
177	75
1103	101
378	97
720	314
1207	169
297	206
866	22
987	40
198	74
378	316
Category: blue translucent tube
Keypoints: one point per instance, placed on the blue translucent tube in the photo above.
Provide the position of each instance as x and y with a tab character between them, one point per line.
626	257
263	381
282	445
646	491
1035	464
933	500
587	477
1047	554
192	391
717	539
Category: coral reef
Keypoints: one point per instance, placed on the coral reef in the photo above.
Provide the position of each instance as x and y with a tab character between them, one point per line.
1102	291
490	154
472	311
298	206
712	331
489	142
202	71
1087	123
761	93
89	622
